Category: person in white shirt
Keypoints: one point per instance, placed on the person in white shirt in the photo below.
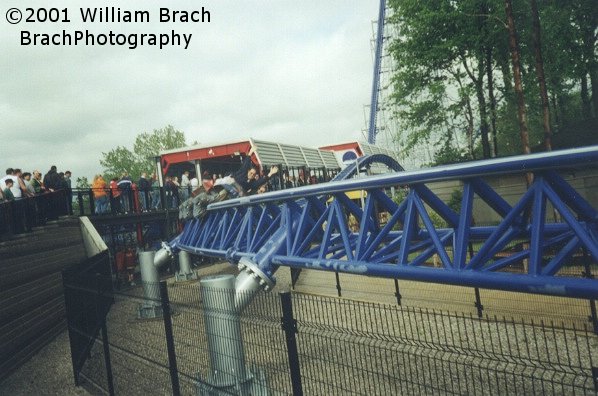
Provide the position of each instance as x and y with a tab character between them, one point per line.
15	189
185	184
21	186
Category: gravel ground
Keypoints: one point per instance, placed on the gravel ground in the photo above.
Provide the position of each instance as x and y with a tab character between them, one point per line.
50	372
345	347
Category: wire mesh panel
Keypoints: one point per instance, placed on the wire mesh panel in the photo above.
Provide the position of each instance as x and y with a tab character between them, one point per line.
264	341
343	346
189	335
366	348
264	353
137	346
93	375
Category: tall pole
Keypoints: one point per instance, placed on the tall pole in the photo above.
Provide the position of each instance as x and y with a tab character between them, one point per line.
377	68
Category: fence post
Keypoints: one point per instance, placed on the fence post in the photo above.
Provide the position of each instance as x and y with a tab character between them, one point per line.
338	284
102	320
163	203
29	213
80	201
166	312
10	221
397	292
289	325
478	302
587	273
19	215
112	201
92	202
42	210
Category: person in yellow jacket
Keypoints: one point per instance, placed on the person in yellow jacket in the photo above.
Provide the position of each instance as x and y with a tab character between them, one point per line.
100	194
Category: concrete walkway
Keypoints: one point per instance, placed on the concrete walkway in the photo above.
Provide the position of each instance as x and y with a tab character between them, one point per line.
49	372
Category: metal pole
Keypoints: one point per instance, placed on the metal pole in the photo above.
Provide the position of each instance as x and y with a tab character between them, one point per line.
478	303
174	372
588	274
151	306
92	202
223	329
397	292
377	70
102	320
289	325
159	171
185	272
80	201
198	174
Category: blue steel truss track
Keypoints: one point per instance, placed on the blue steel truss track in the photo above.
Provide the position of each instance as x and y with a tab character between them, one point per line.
309	227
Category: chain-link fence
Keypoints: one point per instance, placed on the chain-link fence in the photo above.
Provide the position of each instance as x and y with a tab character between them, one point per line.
294	343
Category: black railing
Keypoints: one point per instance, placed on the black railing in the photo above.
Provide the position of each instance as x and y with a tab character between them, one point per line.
93	201
107	201
329	345
22	215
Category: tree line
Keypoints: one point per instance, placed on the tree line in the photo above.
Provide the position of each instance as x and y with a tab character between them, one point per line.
487	78
141	158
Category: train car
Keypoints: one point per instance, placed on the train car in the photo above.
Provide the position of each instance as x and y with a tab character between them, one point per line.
297	165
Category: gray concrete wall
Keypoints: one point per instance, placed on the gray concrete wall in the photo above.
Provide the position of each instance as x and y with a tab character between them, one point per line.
32	308
512	187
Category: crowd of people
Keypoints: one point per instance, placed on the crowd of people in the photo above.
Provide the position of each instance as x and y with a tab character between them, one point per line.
17	184
123	195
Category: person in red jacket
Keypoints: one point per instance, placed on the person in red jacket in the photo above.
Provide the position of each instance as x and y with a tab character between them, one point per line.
115	196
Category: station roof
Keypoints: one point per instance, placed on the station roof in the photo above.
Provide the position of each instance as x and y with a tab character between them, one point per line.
294	156
266	154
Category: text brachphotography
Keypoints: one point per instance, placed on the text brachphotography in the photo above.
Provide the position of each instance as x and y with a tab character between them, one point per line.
87	38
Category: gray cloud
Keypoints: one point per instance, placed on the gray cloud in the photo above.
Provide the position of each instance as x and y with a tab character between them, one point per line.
297	72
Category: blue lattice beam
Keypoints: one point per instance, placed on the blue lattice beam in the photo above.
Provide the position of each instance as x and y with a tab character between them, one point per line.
318	227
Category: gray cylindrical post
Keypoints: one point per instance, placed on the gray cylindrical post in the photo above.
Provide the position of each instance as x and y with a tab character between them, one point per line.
151	307
185	272
198	171
159	171
149	276
223	327
228	374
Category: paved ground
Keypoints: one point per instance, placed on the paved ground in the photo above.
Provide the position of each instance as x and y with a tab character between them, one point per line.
48	373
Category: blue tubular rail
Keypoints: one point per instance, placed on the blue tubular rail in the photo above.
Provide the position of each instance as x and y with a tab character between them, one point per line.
362	163
318	227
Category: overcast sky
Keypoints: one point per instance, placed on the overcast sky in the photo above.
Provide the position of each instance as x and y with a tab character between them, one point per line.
287	71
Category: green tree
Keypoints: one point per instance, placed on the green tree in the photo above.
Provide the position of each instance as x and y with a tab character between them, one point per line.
444	51
82	183
141	159
456	77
